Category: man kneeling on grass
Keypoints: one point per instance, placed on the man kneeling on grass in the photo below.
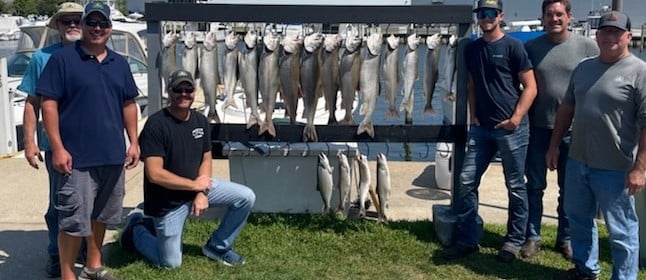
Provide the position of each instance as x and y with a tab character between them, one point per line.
176	150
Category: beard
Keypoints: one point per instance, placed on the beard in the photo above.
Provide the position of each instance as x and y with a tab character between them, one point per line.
72	37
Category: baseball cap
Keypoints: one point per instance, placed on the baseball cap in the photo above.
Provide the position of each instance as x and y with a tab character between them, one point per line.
178	77
488	4
65	8
615	19
96	6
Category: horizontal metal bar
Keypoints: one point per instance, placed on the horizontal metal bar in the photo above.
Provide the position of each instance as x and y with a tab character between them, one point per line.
454	14
344	133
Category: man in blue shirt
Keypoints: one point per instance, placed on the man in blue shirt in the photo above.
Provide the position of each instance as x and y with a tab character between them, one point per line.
67	22
498	64
87	100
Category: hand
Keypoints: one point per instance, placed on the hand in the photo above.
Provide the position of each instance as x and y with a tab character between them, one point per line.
202	183
432	42
635	181
508	124
31	154
552	158
200	204
62	161
132	157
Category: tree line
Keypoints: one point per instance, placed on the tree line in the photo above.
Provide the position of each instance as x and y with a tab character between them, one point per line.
42	7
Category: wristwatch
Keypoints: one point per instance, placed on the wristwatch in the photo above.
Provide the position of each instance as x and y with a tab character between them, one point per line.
205	191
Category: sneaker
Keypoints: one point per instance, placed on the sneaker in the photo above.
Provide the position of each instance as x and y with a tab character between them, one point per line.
126	240
507	253
53	268
574	274
228	258
565	248
530	248
96	274
458	251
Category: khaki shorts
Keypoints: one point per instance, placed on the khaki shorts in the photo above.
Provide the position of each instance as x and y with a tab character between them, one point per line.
94	193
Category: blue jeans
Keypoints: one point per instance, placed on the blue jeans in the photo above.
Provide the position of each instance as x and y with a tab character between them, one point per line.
536	171
51	216
483	143
586	188
165	249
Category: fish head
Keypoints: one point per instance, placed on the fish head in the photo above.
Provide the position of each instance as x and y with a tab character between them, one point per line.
313	41
453	40
231	40
433	41
251	38
209	40
323	160
189	40
392	41
292	43
412	41
333	42
374	42
170	39
352	43
381	158
271	41
343	159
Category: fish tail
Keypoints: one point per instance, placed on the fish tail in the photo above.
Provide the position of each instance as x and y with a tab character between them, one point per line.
229	102
366	127
428	109
392	113
252	121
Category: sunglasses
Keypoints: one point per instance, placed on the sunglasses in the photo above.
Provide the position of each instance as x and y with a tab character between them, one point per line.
187	90
99	23
487	13
68	22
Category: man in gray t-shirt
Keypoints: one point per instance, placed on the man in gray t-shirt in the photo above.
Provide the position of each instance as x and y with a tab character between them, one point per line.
554	55
606	97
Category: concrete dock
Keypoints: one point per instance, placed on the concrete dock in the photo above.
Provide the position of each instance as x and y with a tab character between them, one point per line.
24	192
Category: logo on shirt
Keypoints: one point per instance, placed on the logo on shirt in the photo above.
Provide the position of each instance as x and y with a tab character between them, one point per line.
198	133
498	56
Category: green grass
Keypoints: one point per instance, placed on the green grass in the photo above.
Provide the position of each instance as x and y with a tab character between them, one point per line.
315	247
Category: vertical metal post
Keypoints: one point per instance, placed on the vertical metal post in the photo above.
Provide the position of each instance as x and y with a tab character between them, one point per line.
459	146
153	39
8	143
617	5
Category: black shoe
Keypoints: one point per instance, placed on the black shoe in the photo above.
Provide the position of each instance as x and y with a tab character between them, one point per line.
458	251
530	249
53	268
507	254
574	274
565	248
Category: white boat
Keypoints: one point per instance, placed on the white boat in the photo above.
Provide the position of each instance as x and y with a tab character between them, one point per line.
9	27
127	39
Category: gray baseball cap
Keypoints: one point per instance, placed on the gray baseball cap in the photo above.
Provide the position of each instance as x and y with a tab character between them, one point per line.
488	4
178	77
615	19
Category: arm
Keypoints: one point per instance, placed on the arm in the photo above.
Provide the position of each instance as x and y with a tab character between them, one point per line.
62	160
471	98
201	201
130	123
156	174
636	176
29	124
525	101
562	123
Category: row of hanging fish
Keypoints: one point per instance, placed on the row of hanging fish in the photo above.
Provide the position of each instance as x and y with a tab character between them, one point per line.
316	65
326	186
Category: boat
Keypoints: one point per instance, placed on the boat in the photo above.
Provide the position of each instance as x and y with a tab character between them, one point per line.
127	39
9	27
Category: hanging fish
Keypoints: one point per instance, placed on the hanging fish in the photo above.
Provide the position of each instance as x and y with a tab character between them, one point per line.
325	182
290	76
344	182
311	82
230	69
248	67
369	82
391	75
189	54
431	71
330	72
349	72
169	59
209	76
269	81
364	183
383	186
410	74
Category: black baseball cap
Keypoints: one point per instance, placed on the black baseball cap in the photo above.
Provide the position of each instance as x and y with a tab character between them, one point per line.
96	6
615	19
488	4
178	77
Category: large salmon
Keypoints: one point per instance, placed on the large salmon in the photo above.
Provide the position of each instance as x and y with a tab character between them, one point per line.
391	75
325	182
410	74
349	72
230	69
311	82
383	186
344	182
189	54
209	76
290	75
369	82
248	66
169	57
364	183
431	71
330	72
269	81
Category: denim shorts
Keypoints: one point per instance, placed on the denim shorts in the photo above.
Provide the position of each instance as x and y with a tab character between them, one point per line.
94	193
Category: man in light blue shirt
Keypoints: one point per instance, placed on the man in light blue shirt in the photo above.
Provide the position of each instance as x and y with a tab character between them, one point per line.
66	21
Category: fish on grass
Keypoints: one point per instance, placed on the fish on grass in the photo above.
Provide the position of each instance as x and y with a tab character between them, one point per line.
330	73
391	75
269	81
230	69
369	82
364	183
311	82
248	66
289	66
410	74
344	182
325	182
209	76
431	70
383	186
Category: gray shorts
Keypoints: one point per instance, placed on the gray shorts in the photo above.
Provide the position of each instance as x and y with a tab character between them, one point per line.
94	193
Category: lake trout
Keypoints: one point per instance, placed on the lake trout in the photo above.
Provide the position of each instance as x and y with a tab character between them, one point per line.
269	81
209	76
369	83
391	75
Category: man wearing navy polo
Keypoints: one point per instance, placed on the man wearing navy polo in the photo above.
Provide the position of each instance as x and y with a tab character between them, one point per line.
87	100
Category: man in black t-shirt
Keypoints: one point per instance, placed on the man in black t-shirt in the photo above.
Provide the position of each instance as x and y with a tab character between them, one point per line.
176	150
